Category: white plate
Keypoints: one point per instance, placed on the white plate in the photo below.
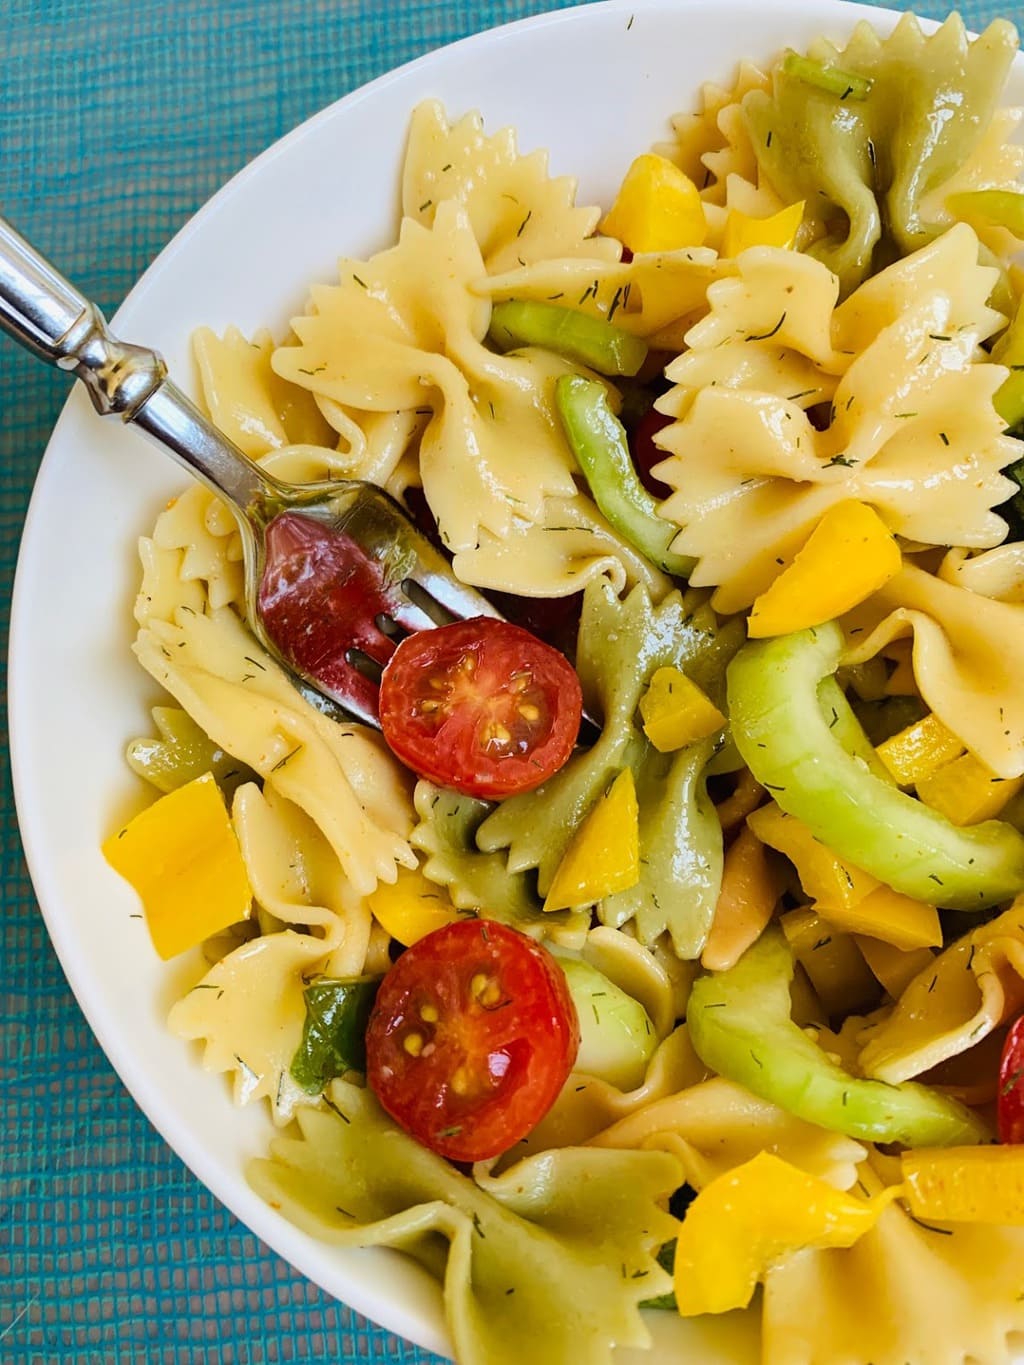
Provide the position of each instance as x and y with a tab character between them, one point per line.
596	85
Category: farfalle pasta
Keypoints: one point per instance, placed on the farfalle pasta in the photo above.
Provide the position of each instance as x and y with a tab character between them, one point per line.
757	478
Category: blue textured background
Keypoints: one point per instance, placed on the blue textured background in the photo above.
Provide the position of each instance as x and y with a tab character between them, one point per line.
117	120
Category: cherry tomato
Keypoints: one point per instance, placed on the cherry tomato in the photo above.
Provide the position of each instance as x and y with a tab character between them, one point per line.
471	1038
482	706
319	597
646	454
1010	1103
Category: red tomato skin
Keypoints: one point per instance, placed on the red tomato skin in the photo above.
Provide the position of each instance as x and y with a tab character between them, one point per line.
646	454
482	1074
481	706
1010	1100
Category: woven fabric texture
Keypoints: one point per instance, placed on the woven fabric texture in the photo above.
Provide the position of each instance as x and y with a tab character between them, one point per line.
117	122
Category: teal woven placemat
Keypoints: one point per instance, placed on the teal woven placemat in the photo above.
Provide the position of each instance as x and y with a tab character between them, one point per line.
117	121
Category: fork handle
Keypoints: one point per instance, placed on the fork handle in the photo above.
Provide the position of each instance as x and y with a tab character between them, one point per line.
45	313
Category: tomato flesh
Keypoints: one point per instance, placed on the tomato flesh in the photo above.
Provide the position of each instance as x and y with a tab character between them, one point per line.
1010	1101
481	706
471	1038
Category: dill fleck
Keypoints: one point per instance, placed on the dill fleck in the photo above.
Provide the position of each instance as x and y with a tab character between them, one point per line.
334	1108
425	205
360	282
943	438
943	1232
282	761
765	336
522	225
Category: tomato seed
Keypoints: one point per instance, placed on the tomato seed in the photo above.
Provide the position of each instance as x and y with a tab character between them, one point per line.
529	712
413	1044
429	1014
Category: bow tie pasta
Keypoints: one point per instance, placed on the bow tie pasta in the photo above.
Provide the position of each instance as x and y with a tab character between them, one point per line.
743	446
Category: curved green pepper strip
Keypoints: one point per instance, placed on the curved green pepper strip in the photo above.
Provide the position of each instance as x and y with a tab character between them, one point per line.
847	85
598	440
777	724
588	340
740	1026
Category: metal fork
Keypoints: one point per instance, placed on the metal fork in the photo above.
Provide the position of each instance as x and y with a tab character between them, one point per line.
414	587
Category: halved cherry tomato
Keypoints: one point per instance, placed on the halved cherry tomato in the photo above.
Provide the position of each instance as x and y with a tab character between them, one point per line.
471	1038
319	598
1010	1100
482	706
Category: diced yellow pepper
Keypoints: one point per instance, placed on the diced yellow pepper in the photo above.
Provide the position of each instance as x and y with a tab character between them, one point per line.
658	208
920	750
849	555
604	855
676	712
966	792
750	1217
750	891
742	231
182	857
823	875
965	1184
890	916
411	907
832	961
894	968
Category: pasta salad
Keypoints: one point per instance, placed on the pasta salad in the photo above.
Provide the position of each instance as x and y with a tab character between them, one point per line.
664	952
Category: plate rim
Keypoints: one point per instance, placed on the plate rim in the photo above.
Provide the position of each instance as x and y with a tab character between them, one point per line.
271	1227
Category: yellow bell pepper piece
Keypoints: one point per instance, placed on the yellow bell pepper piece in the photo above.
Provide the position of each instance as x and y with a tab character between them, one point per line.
676	712
832	961
750	891
182	857
965	1184
604	855
742	231
966	791
658	208
411	907
890	916
849	555
750	1217
920	750
894	968
824	876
